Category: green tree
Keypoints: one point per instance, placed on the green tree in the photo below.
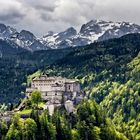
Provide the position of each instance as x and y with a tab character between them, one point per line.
48	130
75	135
35	98
3	130
15	130
30	129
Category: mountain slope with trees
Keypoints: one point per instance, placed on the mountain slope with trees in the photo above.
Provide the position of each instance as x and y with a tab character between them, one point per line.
109	72
15	66
88	123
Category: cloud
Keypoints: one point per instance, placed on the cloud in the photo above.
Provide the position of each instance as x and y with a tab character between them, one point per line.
11	11
69	11
41	5
41	16
12	17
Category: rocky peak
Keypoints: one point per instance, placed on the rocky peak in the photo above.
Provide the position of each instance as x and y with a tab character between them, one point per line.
71	30
90	28
67	33
8	32
26	35
2	28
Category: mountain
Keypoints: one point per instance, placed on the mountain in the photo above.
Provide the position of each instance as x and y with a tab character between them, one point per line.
23	39
6	31
59	40
93	31
8	49
27	40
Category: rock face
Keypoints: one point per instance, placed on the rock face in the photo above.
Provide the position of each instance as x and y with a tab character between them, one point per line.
95	30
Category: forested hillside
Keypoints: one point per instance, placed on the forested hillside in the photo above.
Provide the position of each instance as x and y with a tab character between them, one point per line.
110	72
16	66
88	123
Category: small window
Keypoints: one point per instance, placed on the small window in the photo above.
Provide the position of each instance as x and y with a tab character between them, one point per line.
55	94
46	94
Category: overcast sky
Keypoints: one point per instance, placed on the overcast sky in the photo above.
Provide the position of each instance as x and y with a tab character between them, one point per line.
40	16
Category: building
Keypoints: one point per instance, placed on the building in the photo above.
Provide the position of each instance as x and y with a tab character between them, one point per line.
55	89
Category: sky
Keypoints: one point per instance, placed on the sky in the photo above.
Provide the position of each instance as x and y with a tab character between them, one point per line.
41	16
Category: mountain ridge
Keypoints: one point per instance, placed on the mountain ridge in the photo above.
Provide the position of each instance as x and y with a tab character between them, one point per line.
93	31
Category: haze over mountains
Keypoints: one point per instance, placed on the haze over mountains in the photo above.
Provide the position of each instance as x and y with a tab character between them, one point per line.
95	30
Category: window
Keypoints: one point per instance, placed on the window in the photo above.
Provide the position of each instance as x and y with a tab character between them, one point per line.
46	94
55	94
69	87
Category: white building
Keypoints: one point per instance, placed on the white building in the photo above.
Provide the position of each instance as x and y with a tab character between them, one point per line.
55	88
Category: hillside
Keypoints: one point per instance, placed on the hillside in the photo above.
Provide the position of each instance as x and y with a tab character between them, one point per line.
103	61
14	69
109	71
9	49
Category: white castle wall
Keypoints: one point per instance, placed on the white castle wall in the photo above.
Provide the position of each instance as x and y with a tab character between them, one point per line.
55	87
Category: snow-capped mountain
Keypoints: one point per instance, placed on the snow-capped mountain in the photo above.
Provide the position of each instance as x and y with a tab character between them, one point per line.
59	40
6	31
95	30
27	40
23	39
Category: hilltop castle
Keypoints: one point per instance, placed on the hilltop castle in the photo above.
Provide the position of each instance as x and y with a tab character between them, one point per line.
56	89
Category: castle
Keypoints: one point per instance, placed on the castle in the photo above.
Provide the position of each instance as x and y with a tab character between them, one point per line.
56	89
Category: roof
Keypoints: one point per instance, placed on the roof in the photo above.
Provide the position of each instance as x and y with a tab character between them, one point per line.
46	77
